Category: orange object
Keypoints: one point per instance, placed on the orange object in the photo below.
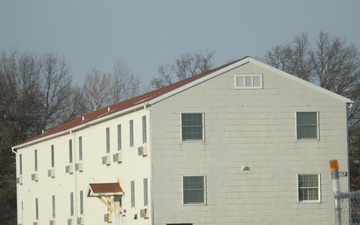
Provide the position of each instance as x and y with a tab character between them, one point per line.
334	165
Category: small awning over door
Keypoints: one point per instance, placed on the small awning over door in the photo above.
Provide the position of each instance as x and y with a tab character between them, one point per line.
104	192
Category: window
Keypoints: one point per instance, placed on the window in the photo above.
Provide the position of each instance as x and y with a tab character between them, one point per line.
309	187
132	187
81	202
53	206
36	209
52	156
131	132
194	189
306	125
20	164
251	81
80	149
192	126
146	198
119	136
71	203
70	152
144	129
36	160
108	140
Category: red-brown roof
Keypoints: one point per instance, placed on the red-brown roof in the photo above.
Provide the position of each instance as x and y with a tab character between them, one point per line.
104	188
122	105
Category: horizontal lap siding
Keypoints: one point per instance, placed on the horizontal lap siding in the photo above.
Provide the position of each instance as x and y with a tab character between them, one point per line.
254	128
133	167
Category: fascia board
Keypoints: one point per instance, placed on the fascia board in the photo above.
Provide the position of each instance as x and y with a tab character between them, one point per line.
301	81
198	81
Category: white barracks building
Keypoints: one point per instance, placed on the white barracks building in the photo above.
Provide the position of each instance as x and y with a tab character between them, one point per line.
244	143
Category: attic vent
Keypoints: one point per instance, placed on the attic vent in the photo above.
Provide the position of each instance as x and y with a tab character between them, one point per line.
248	81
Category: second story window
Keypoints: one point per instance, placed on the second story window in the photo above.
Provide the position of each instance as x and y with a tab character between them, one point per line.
307	125
192	126
131	132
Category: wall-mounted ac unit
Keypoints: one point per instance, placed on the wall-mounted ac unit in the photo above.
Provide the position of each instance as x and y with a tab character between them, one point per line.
108	217
80	220
144	213
70	221
51	173
118	157
79	166
52	222
107	160
35	177
69	169
19	180
143	151
36	223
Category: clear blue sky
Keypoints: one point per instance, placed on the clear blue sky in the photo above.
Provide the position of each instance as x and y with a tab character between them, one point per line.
144	34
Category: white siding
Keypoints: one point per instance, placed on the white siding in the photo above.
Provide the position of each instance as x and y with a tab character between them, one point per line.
133	167
254	128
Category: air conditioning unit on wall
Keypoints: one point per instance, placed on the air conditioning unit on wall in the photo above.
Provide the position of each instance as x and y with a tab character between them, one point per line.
35	177
118	157
106	160
51	173
69	169
19	180
144	213
79	167
70	221
52	222
143	151
108	217
81	220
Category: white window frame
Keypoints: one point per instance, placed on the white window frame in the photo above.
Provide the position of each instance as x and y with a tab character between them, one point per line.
318	187
245	76
203	127
204	191
317	126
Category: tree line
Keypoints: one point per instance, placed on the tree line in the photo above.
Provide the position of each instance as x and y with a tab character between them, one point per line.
37	93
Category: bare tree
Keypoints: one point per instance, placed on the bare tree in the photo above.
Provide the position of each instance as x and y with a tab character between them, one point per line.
56	90
186	66
104	89
125	84
331	63
33	90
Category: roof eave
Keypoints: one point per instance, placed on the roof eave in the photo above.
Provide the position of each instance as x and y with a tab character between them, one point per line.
76	128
